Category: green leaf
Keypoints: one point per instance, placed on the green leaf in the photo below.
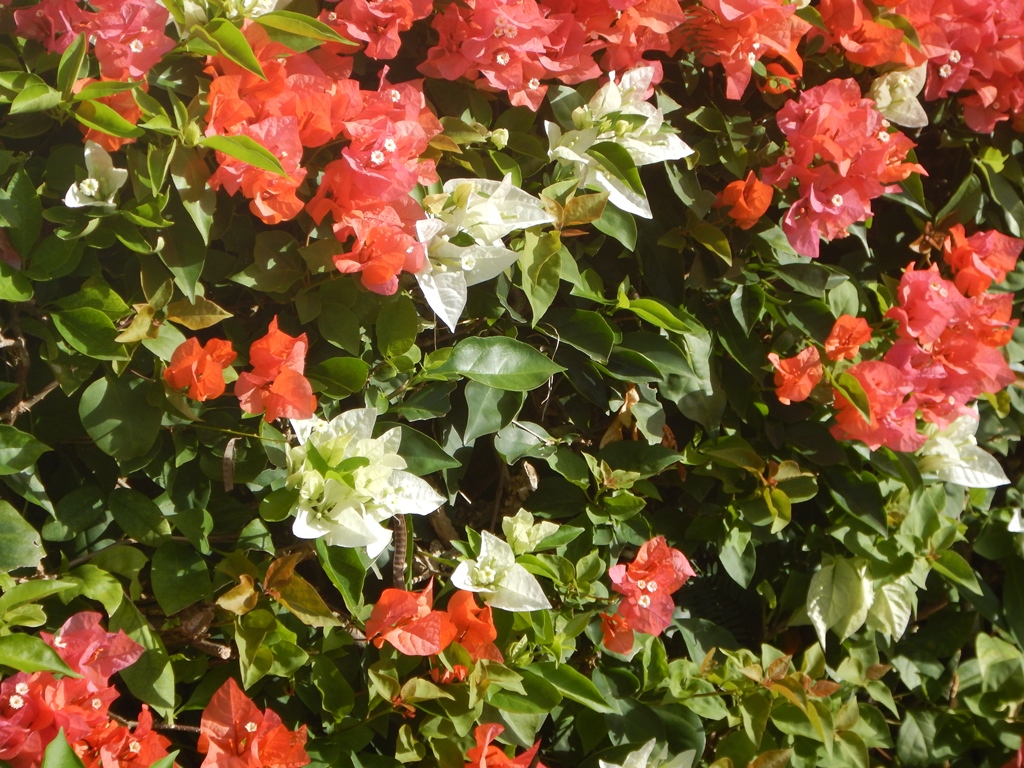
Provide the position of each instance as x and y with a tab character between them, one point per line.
30	654
247	150
35	98
102	89
119	418
572	685
422	454
59	754
339	376
540	262
70	65
396	327
956	569
346	568
138	516
20	546
839	597
91	332
179	576
301	25
15	285
189	173
500	362
618	224
583	329
184	249
619	162
18	450
489	409
100	117
151	678
229	41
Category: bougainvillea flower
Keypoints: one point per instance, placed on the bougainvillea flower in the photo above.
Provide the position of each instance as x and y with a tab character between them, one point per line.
647	585
91	651
200	368
276	385
499	579
235	734
796	376
476	632
847	335
895	96
488	755
748	200
616	633
101	184
130	37
892	423
928	305
407	621
981	259
117	746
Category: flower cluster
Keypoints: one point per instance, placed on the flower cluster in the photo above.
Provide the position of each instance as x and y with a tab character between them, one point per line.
275	386
499	579
739	34
841	154
646	585
408	622
350	482
35	707
485	754
233	733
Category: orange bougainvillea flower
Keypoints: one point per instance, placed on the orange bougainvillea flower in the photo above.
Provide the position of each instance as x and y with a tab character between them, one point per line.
234	733
276	386
795	377
848	333
616	633
749	199
476	632
200	368
487	755
407	621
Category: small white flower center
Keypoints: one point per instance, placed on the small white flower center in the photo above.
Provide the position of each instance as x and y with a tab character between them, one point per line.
134	747
883	136
21	688
16	702
97	703
389	145
95	187
837	200
395	95
377	157
89	188
945	70
644	601
502	58
250	727
136	46
534	84
652	586
789	151
954	56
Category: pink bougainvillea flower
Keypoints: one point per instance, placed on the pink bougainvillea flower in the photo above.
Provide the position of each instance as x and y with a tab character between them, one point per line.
276	386
847	336
647	585
200	368
796	376
892	422
488	755
407	621
234	733
981	259
91	651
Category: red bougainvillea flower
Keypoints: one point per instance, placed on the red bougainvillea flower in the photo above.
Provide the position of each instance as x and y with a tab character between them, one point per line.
476	632
408	622
848	333
648	583
91	651
487	755
235	734
200	368
749	200
616	632
276	385
796	376
892	421
116	746
130	37
981	259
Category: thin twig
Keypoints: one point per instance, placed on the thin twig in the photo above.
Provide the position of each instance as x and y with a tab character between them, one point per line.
11	415
401	551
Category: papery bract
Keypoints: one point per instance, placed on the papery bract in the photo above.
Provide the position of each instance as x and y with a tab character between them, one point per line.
796	376
200	368
647	585
847	335
488	755
499	579
407	621
276	386
748	200
476	632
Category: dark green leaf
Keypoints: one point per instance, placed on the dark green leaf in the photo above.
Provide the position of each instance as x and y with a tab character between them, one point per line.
18	450
119	418
500	362
20	546
30	654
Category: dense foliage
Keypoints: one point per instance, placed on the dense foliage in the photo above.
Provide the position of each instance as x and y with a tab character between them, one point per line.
510	383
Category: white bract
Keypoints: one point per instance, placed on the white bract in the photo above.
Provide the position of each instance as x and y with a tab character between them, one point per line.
618	113
953	455
463	238
895	96
642	758
102	183
523	535
350	482
499	579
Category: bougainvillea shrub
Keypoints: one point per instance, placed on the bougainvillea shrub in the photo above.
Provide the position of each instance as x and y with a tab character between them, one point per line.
601	383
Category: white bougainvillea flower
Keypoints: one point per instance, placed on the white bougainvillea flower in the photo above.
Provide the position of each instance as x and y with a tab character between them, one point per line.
499	579
350	482
101	184
523	535
895	96
953	455
642	758
463	238
618	113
